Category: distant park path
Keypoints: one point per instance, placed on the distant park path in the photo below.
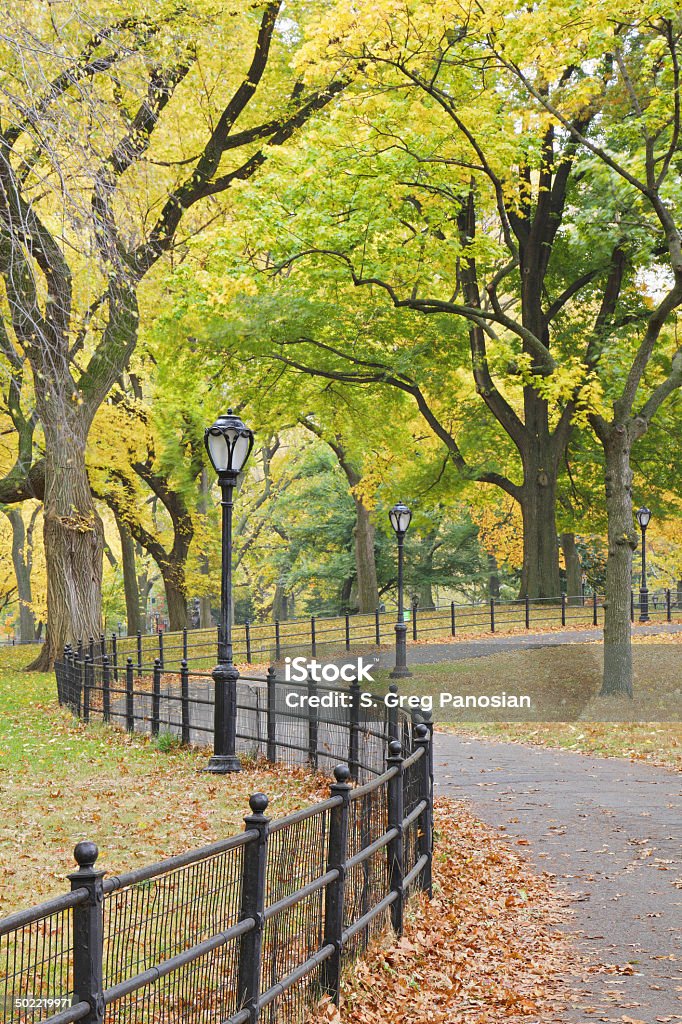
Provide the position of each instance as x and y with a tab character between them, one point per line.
460	650
611	832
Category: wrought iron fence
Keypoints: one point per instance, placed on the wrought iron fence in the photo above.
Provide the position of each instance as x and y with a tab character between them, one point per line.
309	722
263	642
253	928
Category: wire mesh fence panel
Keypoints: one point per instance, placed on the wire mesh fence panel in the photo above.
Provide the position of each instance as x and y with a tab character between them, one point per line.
371	750
274	719
297	857
413	795
203	991
261	643
36	978
262	920
294	1006
153	920
321	735
368	881
171	911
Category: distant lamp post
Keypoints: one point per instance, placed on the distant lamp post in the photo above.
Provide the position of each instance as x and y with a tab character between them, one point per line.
643	517
400	517
228	442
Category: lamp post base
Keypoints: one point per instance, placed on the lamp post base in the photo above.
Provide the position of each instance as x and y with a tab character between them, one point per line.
401	671
644	604
223	764
225	758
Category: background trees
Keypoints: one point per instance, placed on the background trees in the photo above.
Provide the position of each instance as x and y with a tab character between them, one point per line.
114	134
459	285
527	189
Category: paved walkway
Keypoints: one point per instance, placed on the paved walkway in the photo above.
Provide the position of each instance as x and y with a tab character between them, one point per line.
458	650
611	833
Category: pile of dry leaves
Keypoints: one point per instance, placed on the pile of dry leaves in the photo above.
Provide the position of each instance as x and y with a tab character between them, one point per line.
484	949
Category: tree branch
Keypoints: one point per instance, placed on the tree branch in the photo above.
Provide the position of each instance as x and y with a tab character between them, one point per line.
664	390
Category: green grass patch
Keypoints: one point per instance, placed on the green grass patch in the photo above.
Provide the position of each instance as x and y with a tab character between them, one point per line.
139	799
655	742
567	711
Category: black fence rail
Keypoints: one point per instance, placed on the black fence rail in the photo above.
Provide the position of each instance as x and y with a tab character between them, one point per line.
256	927
262	643
309	723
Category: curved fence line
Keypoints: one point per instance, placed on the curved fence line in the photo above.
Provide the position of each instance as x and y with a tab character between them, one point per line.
333	636
253	928
335	727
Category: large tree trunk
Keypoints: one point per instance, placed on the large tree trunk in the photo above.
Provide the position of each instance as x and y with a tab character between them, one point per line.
144	586
21	560
74	540
346	595
279	603
574	570
205	613
493	577
540	575
130	581
176	600
622	539
541	448
424	588
365	560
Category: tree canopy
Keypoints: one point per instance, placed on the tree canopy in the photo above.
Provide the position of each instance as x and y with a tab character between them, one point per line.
432	250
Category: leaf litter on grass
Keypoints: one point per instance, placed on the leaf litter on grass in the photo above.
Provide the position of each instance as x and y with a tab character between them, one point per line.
62	781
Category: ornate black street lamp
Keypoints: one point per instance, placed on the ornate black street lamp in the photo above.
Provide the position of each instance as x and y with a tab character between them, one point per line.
643	517
228	442
400	517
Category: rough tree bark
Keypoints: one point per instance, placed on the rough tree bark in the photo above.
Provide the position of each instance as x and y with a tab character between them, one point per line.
365	558
540	573
74	541
130	578
205	615
22	562
176	599
279	603
622	538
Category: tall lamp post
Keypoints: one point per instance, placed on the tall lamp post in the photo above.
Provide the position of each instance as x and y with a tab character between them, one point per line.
643	517
400	517
228	442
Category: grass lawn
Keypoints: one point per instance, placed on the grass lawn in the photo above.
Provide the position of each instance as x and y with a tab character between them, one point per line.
566	711
62	781
656	742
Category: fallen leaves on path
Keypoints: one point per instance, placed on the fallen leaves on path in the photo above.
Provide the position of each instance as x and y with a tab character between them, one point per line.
485	949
